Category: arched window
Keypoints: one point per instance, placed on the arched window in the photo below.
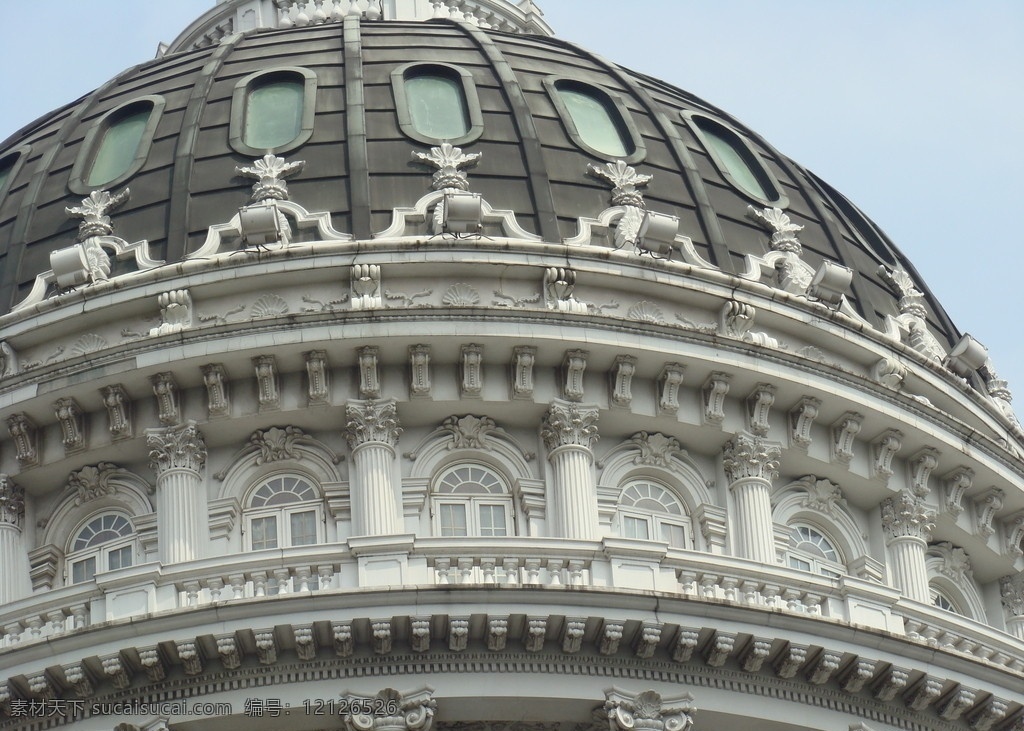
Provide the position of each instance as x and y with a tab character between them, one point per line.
283	511
105	543
811	550
650	511
437	103
471	500
940	600
117	145
273	111
737	161
596	120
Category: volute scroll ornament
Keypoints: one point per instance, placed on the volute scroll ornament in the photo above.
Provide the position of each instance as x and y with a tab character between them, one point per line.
390	710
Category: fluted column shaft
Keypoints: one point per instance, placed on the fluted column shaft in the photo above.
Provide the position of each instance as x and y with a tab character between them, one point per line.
372	430
751	463
908	528
178	455
1012	590
569	431
15	581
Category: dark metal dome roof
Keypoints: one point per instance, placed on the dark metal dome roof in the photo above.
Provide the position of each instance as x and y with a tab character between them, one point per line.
358	164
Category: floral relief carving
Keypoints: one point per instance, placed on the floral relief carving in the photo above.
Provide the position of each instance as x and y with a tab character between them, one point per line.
95	214
648	710
656	449
469	432
93	482
372	421
449	161
748	456
905	515
12	502
570	424
176	447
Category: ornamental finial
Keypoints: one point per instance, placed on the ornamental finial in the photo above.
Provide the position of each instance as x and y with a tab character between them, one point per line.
94	213
270	173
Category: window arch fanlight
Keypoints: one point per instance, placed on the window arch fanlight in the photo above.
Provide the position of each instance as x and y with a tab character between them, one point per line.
811	550
648	510
284	510
596	120
10	165
941	600
105	542
437	102
471	499
736	160
117	145
273	111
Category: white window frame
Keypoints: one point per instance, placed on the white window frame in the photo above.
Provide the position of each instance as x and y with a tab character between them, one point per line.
100	553
656	520
497	496
815	564
283	513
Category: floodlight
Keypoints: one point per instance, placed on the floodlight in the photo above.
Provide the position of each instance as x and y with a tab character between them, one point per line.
830	283
462	212
657	234
70	266
260	224
967	355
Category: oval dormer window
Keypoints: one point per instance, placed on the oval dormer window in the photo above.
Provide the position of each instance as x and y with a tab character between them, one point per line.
117	145
437	103
273	111
736	161
596	120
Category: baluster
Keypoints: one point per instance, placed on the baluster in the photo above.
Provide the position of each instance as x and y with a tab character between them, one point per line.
353	8
326	576
442	566
57	621
533	571
576	569
216	586
487	566
440	10
81	614
35	626
771	595
337	13
283	577
750	594
259	583
455	11
284	8
373	10
466	570
511	566
729	585
709	585
192	589
319	15
13	631
792	597
237	582
302	575
302	19
555	572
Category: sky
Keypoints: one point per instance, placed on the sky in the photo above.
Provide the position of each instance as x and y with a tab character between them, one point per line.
913	109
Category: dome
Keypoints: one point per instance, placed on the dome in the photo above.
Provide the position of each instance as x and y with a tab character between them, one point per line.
371	351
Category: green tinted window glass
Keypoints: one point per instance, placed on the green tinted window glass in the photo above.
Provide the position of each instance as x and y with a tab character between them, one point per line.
273	113
118	146
437	105
596	122
733	154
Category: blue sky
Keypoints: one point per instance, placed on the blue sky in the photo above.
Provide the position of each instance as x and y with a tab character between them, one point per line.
913	109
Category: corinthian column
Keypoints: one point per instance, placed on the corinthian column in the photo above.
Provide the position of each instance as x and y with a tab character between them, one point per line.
372	431
177	455
1012	590
908	528
569	431
14	578
751	463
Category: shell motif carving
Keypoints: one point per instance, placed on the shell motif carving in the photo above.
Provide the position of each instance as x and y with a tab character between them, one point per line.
269	305
87	344
645	311
461	295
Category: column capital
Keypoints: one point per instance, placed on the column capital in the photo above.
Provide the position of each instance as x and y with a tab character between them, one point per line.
1012	590
648	710
905	516
372	421
750	456
176	447
12	502
569	424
